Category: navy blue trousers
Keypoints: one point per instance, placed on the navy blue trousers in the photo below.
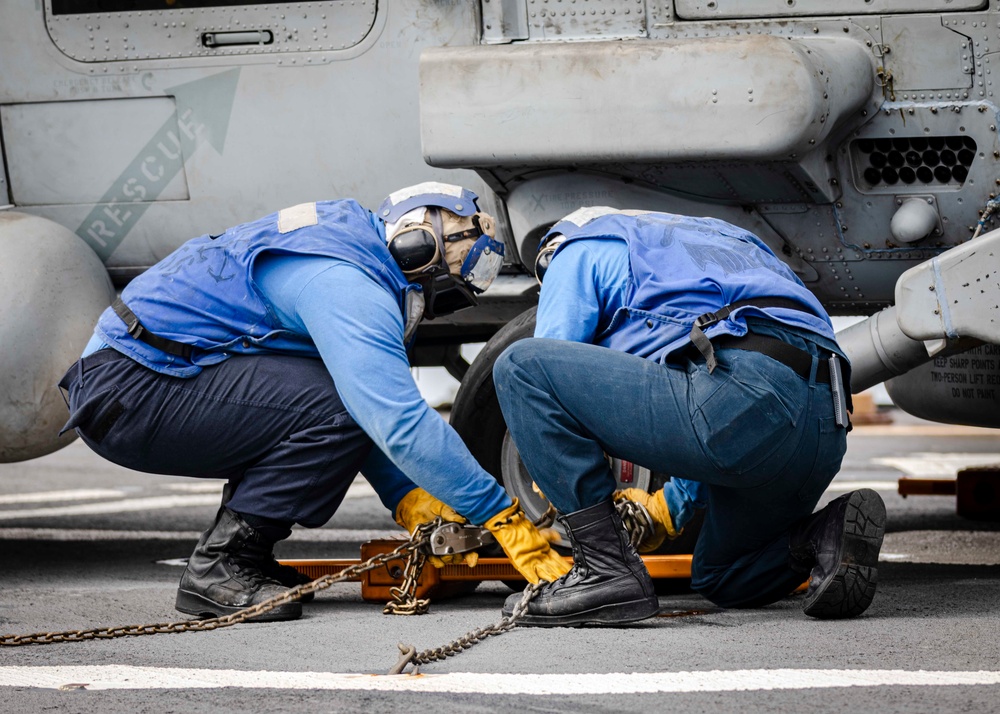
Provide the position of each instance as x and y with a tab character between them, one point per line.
762	439
273	425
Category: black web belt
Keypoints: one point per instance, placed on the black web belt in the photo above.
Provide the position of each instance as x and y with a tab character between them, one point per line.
828	370
700	340
136	330
799	361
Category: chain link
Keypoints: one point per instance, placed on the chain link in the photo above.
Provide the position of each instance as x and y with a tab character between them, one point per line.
641	526
412	550
409	655
636	519
638	524
404	598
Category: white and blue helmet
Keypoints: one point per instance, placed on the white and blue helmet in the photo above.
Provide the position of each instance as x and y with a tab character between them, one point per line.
440	238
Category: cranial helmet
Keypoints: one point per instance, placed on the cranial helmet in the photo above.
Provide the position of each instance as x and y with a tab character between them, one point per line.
440	239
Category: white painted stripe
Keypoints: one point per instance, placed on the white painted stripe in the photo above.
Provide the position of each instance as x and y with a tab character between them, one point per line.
125	677
319	535
844	486
935	465
358	489
196	487
125	506
862	430
79	494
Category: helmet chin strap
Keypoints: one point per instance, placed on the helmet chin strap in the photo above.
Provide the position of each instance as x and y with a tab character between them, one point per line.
438	228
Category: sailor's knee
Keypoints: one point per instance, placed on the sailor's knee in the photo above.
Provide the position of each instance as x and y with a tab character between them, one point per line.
716	585
510	367
727	589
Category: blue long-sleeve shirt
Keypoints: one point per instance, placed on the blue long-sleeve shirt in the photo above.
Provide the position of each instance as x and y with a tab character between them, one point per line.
357	328
583	289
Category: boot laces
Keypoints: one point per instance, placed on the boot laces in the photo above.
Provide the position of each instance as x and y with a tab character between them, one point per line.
251	572
254	562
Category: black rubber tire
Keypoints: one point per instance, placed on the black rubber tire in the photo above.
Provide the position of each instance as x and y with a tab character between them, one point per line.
476	414
477	417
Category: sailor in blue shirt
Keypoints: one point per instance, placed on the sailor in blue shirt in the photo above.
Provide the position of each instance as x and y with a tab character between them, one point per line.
684	345
274	356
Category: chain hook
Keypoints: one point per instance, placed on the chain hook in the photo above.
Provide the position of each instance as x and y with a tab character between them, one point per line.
406	654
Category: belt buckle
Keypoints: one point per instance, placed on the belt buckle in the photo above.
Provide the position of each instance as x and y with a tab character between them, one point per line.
706	320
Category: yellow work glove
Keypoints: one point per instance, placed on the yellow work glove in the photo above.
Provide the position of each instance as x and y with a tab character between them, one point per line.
527	549
419	507
663	524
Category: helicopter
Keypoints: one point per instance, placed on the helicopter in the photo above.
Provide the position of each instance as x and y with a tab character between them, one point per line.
860	145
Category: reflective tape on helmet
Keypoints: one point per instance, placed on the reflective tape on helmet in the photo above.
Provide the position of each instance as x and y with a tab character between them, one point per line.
456	199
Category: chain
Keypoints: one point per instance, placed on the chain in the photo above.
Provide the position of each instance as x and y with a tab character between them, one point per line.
639	526
404	598
409	655
412	550
404	602
636	519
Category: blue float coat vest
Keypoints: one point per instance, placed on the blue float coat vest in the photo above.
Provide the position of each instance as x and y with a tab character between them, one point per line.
203	294
683	267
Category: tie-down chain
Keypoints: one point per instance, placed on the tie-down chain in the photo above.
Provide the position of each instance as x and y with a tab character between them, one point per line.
434	537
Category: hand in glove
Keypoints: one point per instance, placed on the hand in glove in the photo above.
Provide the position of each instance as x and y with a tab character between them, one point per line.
527	549
656	506
419	507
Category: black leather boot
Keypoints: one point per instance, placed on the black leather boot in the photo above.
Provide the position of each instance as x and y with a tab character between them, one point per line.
228	571
287	576
838	546
284	574
608	584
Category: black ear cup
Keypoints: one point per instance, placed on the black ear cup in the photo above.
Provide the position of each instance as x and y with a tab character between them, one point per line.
414	249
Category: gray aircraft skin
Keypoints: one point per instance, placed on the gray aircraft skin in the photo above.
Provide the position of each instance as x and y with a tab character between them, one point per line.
861	147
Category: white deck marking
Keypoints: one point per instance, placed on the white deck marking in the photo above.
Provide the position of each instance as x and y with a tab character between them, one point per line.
194	486
359	488
935	465
126	677
202	494
79	494
319	535
921	430
844	486
125	506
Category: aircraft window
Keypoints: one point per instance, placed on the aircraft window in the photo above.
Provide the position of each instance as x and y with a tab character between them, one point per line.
78	7
139	30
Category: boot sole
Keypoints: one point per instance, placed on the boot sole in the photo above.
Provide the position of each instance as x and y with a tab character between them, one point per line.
851	590
200	606
618	613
